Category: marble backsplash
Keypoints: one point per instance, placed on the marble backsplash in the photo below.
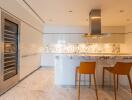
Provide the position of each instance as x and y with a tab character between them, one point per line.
82	48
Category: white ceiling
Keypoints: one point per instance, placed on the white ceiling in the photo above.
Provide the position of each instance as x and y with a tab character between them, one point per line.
56	11
111	14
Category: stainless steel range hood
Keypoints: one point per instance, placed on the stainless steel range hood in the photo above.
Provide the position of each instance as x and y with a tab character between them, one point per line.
95	22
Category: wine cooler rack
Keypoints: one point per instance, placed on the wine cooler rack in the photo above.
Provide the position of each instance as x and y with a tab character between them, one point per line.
10	52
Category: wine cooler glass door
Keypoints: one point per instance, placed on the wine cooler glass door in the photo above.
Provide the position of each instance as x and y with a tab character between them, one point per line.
10	51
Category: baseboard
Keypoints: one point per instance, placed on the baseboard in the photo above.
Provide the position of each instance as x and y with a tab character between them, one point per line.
29	74
46	66
20	81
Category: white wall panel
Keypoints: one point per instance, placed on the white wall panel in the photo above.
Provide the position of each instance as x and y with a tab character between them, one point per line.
31	43
65	29
30	39
47	60
29	64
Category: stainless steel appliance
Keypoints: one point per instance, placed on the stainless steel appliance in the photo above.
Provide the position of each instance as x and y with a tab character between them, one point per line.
95	21
9	71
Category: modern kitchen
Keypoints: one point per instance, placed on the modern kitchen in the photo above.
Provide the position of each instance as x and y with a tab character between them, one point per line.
66	50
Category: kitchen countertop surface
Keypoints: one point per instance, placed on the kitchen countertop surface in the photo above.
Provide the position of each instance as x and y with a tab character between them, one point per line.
93	54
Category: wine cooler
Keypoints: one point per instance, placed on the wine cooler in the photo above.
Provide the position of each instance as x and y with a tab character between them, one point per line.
9	52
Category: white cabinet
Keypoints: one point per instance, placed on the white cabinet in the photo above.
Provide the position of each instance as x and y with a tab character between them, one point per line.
47	60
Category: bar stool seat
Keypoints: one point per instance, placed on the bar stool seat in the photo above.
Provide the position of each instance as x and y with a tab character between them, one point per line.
85	68
121	68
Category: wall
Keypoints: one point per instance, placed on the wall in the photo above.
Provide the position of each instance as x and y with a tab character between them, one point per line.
73	34
65	29
53	38
80	29
31	43
30	38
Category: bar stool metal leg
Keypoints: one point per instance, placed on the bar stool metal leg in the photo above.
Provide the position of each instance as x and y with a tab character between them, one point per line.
95	87
76	78
114	86
79	87
89	80
103	77
117	81
129	78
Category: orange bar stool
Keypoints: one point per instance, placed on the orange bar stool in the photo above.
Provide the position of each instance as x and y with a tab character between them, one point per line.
85	68
120	68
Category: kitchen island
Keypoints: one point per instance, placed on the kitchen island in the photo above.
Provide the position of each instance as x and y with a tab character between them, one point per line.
65	65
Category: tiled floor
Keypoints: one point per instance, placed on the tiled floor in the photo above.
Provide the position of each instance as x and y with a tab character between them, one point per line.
39	86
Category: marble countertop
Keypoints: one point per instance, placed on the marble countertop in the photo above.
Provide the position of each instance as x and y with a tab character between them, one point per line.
93	54
101	54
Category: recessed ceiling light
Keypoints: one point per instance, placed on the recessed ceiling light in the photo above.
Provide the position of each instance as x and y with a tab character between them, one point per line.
122	11
70	11
86	19
127	19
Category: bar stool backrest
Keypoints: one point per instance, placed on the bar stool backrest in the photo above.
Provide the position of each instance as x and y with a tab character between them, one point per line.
87	68
122	68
